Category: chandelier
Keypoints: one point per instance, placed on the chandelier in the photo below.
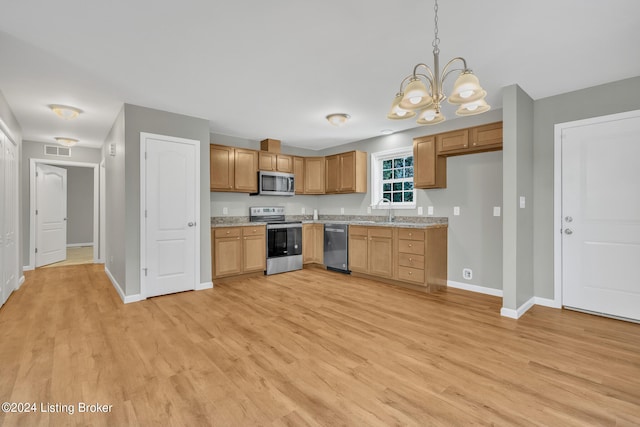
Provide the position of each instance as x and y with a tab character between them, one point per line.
421	93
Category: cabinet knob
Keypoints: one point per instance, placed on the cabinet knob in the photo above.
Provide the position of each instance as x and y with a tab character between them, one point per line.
410	273
410	245
410	259
410	234
228	232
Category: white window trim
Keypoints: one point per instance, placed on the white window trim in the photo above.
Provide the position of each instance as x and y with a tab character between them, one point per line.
376	173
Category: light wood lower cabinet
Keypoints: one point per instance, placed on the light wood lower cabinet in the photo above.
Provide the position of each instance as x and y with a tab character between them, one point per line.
238	250
413	256
371	250
312	243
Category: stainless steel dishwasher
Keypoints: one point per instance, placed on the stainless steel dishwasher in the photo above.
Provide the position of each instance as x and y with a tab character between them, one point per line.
336	247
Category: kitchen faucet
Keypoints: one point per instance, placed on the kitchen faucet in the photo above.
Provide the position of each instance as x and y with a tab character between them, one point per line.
389	211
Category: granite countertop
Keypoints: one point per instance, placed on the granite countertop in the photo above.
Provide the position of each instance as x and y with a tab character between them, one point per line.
375	221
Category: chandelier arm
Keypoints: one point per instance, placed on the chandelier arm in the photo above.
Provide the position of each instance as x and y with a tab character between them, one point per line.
457	58
403	82
444	77
425	66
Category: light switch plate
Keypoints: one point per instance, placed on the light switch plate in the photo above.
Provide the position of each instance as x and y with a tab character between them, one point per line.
522	202
225	211
496	211
303	211
420	210
430	210
456	210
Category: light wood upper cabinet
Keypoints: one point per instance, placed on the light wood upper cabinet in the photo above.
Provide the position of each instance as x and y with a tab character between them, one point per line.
233	169
246	170
221	171
275	162
486	137
314	175
452	141
238	250
312	243
346	172
298	171
430	170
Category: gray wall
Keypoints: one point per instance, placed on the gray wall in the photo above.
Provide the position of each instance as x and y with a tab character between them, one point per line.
596	101
35	150
139	119
79	205
517	183
11	126
474	183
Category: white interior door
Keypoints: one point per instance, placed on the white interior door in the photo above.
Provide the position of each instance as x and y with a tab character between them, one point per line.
10	220
601	217
171	203
51	214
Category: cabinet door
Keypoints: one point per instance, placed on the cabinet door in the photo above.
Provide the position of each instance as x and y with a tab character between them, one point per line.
254	252
429	170
332	174
308	243
298	171
452	141
358	253
284	163
246	173
221	169
347	172
266	161
486	136
228	256
314	175
381	251
318	230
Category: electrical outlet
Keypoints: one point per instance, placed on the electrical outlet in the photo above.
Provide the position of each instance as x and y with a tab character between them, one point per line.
368	209
420	211
496	211
303	211
225	211
341	211
111	259
467	273
430	210
456	210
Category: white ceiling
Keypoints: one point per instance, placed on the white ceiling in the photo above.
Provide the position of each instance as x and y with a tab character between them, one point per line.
274	69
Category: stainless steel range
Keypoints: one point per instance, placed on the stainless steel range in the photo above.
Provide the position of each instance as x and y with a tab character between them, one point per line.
284	239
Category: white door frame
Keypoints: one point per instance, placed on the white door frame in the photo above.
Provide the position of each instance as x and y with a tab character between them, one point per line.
32	203
557	193
143	206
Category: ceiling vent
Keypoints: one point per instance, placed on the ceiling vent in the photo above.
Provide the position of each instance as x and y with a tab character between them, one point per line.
53	150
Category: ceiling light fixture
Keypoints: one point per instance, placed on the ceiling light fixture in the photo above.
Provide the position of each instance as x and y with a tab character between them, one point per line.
67	142
64	111
415	99
338	119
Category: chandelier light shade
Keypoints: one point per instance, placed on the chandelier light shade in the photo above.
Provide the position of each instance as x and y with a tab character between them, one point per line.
338	119
67	142
64	111
421	93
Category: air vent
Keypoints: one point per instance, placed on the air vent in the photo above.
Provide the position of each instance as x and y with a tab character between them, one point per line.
53	150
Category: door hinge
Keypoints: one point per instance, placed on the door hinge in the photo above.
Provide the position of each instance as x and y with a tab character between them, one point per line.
145	213
36	250
36	174
145	155
36	211
145	272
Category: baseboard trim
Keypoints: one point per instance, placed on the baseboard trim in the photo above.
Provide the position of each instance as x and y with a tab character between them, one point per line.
125	298
475	288
27	268
20	282
546	302
205	285
77	245
516	314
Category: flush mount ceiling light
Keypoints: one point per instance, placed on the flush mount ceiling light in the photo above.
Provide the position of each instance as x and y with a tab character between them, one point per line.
67	142
421	92
64	111
338	119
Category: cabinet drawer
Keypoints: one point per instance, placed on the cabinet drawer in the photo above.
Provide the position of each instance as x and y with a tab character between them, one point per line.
409	274
253	231
380	232
411	234
227	232
411	247
411	260
357	230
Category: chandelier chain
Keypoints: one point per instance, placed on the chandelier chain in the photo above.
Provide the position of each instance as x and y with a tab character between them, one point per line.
436	40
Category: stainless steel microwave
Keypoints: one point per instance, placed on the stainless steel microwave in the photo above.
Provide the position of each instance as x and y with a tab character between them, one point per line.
276	184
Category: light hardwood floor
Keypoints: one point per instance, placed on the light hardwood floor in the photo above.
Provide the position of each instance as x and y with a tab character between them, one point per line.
308	348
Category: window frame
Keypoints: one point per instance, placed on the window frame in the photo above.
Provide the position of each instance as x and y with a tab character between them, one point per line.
376	177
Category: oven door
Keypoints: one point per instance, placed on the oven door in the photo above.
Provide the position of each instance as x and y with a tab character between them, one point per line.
284	240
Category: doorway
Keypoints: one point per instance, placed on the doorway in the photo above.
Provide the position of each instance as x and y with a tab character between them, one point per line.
93	235
598	215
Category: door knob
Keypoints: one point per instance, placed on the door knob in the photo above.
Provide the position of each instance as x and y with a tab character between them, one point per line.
191	224
568	231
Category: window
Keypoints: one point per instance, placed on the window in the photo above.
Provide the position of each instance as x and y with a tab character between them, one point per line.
392	178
